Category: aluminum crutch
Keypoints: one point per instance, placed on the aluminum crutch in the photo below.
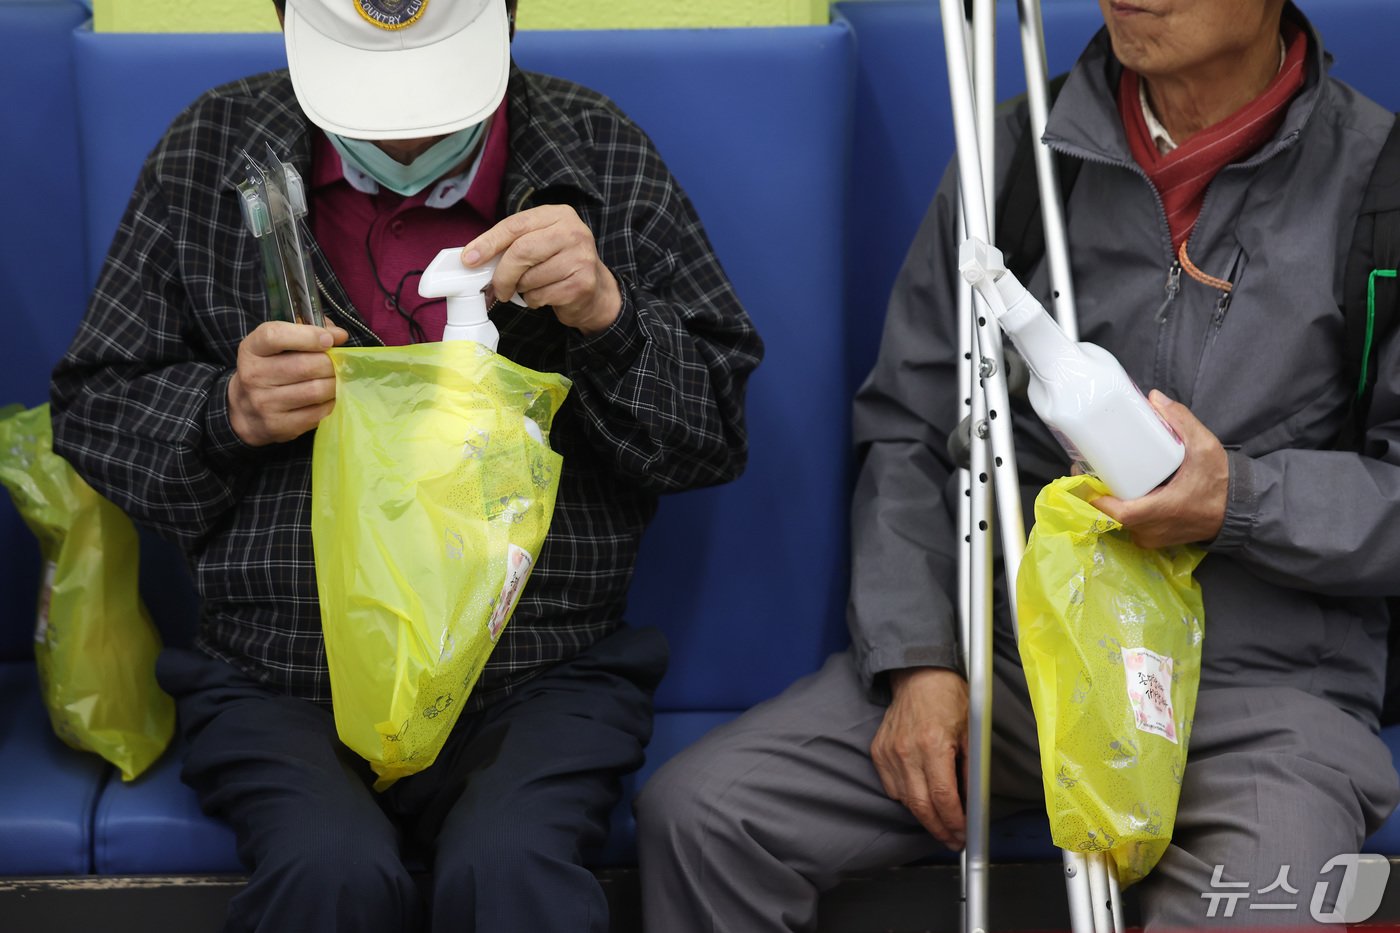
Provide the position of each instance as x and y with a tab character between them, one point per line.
990	413
992	443
975	857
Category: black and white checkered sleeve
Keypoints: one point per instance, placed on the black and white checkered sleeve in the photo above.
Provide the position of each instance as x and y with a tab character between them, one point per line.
663	388
139	415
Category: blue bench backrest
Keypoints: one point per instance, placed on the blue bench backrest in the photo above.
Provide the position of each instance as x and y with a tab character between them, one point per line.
41	258
48	792
1363	36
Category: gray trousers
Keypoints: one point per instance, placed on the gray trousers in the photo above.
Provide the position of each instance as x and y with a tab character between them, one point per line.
742	831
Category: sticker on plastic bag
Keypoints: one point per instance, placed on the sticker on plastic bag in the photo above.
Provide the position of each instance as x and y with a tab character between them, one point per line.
518	565
41	619
1149	677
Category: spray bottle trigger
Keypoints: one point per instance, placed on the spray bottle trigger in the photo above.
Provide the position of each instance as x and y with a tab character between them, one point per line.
978	261
447	277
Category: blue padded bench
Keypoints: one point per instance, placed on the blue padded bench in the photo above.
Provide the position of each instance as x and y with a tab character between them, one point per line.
746	612
47	792
747	580
904	131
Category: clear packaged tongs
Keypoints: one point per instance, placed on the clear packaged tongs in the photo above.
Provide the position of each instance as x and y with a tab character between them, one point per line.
273	198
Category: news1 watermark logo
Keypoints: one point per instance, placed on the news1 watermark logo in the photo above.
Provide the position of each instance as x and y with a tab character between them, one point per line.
1349	890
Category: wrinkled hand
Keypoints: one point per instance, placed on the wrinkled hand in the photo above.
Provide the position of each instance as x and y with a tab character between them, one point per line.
917	747
549	257
1190	508
284	384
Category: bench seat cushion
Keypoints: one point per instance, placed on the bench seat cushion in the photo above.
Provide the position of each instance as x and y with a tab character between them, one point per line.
47	790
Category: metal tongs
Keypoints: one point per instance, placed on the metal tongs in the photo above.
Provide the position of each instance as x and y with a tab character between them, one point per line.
273	199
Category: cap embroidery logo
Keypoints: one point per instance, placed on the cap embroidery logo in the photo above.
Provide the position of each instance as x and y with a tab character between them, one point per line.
391	14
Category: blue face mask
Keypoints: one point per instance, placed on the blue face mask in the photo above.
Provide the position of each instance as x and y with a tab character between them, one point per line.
412	178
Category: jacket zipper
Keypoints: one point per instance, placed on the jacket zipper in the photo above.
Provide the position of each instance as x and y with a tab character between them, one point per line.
345	318
1221	307
1217	319
1222	304
1173	287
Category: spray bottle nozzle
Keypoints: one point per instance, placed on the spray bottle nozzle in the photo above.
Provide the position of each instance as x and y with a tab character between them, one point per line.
446	277
984	268
463	288
978	261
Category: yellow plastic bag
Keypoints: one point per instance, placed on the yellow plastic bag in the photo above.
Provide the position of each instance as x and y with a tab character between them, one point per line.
94	643
432	489
1110	638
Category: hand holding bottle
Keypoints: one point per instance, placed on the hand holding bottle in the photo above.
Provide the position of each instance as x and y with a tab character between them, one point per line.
548	256
1190	507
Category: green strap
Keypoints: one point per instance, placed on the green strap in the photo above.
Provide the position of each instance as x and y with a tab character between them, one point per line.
1370	323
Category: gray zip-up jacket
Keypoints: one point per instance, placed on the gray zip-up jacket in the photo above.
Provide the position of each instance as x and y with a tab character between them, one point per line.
1311	538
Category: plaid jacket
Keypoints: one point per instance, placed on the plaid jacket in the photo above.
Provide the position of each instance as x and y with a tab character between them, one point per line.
140	399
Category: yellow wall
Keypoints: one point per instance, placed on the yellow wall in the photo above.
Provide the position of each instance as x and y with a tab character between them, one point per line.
641	14
255	16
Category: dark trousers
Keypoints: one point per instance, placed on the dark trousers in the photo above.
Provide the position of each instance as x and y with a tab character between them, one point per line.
516	796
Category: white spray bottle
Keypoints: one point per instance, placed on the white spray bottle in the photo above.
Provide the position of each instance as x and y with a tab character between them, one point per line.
1079	390
463	288
467	319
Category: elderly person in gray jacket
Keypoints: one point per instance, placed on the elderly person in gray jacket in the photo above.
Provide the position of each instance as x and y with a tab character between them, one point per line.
1222	174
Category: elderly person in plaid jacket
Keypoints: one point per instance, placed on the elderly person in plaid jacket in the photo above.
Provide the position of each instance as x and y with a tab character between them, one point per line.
182	404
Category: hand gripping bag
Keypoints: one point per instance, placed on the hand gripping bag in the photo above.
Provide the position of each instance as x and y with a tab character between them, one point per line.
1110	638
94	643
432	488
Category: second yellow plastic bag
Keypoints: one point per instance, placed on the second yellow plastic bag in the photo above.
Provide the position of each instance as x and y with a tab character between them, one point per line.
1110	638
94	643
432	490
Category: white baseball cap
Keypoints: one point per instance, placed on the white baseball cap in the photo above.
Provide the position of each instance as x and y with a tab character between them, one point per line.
397	69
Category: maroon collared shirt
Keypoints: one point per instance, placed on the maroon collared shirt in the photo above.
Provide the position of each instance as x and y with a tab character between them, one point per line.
392	238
